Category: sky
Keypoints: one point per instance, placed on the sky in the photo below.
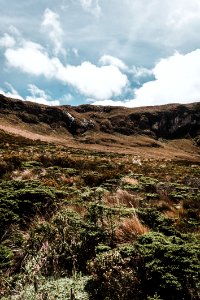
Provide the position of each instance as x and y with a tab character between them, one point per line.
105	52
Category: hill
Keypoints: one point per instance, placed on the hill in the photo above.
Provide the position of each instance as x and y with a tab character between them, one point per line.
166	131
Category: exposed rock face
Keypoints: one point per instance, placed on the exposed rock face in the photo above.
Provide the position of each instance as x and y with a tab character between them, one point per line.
168	121
34	113
178	122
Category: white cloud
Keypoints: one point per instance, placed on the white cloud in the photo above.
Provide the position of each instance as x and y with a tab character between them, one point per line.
11	92
32	59
141	72
66	98
107	60
40	96
75	52
91	6
108	103
35	91
97	82
36	95
7	41
51	25
92	81
14	31
177	80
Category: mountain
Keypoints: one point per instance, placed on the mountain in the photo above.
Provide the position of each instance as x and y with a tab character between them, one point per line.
104	127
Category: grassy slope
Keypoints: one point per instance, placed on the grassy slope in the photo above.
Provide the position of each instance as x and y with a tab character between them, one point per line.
116	223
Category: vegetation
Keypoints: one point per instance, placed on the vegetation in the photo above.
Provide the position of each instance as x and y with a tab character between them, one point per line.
89	225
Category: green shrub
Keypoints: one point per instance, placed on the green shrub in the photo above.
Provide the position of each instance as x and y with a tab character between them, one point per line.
21	200
156	267
171	266
6	256
72	242
115	275
156	221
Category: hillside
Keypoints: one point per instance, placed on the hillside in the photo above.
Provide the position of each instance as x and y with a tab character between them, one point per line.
99	203
166	131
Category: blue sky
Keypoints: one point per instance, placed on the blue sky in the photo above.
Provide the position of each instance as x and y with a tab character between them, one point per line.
107	52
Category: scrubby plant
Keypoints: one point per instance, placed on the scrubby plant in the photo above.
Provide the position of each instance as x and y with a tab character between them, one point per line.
114	275
21	200
155	267
171	265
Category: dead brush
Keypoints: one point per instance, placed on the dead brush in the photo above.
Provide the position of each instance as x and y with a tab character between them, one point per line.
49	182
67	180
80	209
130	180
130	229
175	212
24	175
123	198
164	206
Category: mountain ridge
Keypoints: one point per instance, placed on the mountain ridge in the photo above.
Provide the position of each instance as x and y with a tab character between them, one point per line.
102	126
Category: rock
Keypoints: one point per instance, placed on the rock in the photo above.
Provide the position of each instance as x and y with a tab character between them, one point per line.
166	122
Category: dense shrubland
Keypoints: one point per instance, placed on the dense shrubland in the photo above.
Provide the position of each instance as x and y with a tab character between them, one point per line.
86	225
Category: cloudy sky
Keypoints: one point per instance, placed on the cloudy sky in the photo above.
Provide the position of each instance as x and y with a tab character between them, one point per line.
112	52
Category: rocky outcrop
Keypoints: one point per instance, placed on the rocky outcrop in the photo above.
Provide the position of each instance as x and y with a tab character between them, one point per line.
167	121
177	122
34	113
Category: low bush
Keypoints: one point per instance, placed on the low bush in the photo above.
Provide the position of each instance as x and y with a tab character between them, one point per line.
21	200
115	275
171	266
155	267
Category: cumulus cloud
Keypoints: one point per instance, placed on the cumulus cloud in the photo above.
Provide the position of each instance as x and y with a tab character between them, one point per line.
14	31
40	96
51	25
139	72
31	58
97	82
10	92
107	60
92	81
109	103
176	80
7	41
35	95
91	6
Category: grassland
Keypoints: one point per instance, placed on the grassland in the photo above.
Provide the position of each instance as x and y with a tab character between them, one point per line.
90	224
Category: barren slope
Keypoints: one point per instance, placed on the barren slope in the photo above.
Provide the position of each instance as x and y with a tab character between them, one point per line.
159	132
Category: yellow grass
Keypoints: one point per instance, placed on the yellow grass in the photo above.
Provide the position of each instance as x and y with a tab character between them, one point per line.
129	229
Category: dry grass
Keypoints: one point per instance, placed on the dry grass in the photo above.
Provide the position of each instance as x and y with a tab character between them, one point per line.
24	175
176	212
121	197
129	229
135	145
80	209
129	180
126	199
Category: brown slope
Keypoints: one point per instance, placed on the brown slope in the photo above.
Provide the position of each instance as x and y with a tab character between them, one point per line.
115	129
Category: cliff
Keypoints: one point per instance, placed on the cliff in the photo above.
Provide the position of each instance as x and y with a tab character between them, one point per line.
168	121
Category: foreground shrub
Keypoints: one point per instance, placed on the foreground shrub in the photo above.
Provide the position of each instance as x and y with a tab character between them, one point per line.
171	266
115	275
71	242
20	201
155	267
6	256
